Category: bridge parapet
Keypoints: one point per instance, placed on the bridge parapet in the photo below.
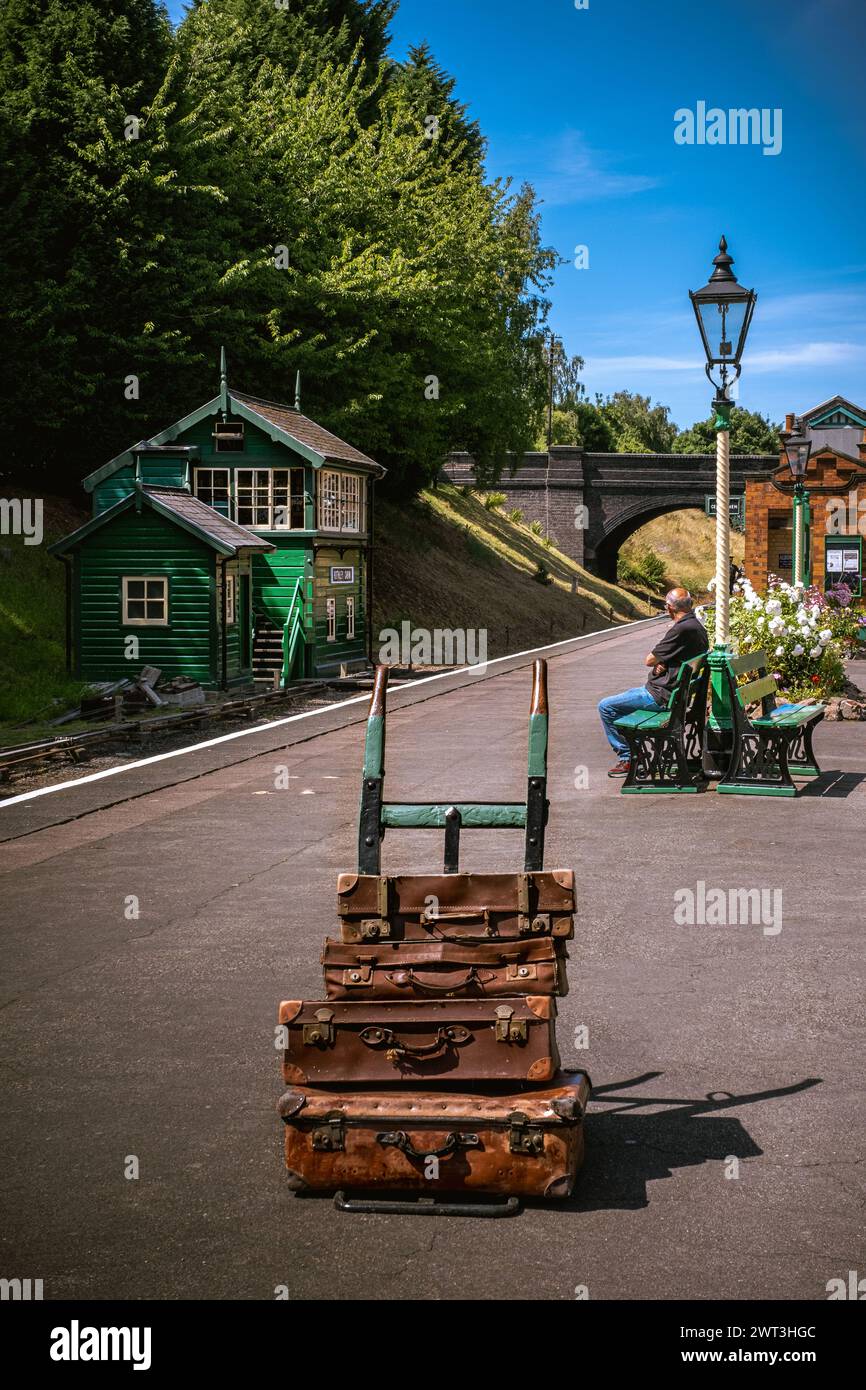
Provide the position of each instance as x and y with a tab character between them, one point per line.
589	503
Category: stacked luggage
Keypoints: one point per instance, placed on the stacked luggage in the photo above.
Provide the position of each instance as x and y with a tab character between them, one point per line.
432	1066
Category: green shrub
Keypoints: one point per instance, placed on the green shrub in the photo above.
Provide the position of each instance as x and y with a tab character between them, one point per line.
542	574
536	528
515	515
494	500
645	568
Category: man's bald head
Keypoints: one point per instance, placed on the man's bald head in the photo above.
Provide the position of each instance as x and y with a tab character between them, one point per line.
679	600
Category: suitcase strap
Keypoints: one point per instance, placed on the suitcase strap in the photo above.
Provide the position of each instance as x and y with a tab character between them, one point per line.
397	1139
472	977
451	1036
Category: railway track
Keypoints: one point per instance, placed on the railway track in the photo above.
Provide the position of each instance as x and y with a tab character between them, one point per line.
18	762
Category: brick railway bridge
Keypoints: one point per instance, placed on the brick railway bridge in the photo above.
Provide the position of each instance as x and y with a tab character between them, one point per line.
589	504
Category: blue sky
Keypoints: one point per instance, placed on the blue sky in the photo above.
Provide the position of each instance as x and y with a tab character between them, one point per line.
580	103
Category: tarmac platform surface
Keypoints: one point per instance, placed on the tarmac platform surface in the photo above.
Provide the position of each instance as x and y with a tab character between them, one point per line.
725	1137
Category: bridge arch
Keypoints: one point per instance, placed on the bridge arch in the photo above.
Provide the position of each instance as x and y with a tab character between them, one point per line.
630	519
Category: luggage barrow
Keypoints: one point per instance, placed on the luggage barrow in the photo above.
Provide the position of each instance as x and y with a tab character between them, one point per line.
530	1136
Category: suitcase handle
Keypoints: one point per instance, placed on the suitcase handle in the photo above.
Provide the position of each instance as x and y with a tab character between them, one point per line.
400	1140
472	977
397	1048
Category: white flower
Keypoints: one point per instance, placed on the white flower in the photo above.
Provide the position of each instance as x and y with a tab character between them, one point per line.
817	651
825	635
798	650
711	584
773	605
780	651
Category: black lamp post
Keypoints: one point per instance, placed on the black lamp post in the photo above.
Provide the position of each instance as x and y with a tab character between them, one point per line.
723	309
798	448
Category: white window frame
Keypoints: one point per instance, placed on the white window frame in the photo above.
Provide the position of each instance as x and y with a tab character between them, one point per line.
331	612
341	502
161	579
198	477
350	618
257	491
231	593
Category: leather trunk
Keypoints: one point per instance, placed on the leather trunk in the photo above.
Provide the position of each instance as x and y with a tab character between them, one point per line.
486	1140
444	970
455	907
371	1043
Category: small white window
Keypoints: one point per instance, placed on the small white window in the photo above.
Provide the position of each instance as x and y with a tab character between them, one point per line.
230	600
145	600
331	609
350	618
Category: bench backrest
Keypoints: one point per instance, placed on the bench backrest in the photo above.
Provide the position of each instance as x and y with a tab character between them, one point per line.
688	698
762	688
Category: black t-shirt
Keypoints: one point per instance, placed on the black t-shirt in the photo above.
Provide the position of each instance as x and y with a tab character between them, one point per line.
681	642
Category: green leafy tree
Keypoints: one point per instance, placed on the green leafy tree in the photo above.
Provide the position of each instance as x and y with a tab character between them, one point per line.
637	426
429	90
751	433
99	194
406	289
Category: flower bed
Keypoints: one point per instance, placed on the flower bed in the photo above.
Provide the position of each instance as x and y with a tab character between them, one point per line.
804	632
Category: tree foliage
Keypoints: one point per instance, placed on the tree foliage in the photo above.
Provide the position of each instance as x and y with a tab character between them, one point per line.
751	433
637	426
282	195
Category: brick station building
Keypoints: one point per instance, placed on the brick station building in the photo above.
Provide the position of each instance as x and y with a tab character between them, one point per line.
836	487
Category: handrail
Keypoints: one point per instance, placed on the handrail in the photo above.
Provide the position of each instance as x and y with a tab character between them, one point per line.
293	632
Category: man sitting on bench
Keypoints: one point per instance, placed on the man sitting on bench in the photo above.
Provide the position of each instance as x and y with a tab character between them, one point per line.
685	638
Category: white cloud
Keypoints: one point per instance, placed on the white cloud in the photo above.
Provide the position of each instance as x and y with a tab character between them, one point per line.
783	358
574	173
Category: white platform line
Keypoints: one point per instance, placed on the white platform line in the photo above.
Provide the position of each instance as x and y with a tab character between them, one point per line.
309	714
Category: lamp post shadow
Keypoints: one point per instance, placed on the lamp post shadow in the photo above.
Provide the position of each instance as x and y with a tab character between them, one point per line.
627	1148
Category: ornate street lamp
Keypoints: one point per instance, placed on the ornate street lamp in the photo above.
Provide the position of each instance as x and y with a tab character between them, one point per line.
798	448
723	309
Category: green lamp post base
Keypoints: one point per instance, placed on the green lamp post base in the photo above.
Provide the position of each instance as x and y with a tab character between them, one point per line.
719	735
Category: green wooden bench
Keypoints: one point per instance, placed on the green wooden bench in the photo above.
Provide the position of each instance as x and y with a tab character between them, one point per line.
770	746
666	746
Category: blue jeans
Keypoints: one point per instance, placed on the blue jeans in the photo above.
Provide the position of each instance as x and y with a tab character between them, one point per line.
613	707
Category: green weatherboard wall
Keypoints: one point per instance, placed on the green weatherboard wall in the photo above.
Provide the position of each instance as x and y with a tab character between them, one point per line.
146	543
143	542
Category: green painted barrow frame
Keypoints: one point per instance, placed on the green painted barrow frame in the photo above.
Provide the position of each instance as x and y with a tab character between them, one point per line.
378	815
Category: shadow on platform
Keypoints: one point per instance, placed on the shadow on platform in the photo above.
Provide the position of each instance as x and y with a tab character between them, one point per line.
834	785
626	1149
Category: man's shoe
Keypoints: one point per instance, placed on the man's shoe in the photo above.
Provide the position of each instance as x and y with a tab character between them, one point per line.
620	769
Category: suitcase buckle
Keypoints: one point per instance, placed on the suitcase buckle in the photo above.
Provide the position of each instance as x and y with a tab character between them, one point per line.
535	926
372	928
322	1031
358	975
329	1137
523	1137
508	1028
521	972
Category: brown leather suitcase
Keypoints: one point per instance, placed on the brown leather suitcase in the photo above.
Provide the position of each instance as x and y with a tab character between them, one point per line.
370	1043
444	969
455	907
436	1140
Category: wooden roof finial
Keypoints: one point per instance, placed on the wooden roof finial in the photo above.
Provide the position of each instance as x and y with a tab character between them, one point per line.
224	382
298	391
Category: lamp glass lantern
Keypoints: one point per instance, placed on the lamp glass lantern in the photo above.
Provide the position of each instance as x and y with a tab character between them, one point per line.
723	309
798	449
